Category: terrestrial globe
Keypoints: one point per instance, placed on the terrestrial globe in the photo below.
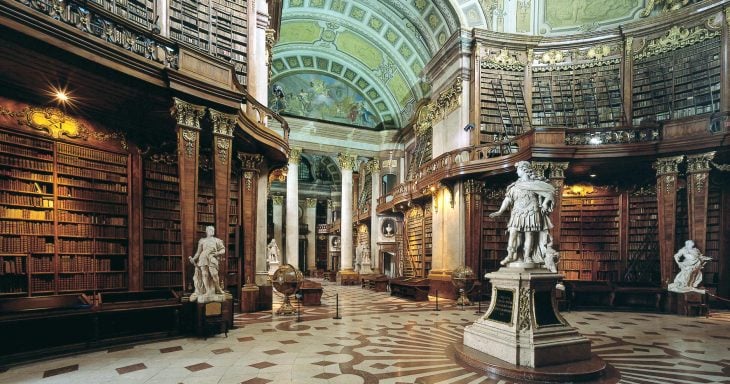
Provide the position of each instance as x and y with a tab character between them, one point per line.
287	280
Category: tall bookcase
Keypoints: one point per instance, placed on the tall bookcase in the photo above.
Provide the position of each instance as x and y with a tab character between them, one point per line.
233	271
217	27
678	83
427	238
494	233
642	264
206	204
162	248
92	223
414	243
577	97
590	229
502	109
711	271
141	12
27	228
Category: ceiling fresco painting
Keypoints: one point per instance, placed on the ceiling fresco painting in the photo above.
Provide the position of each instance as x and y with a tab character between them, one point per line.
322	97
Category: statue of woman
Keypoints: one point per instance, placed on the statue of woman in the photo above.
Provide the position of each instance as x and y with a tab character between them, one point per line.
530	201
690	261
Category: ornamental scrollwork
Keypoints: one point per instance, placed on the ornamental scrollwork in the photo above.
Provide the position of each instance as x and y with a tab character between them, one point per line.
222	146
523	313
187	114
295	156
502	60
223	123
677	37
190	138
667	165
700	162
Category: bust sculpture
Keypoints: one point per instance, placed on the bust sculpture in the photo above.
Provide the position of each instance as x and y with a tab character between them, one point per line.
530	201
690	261
207	264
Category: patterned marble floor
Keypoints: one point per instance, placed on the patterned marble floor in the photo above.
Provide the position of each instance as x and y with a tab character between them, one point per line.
381	339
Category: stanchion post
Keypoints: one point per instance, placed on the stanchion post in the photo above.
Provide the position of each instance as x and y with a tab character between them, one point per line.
437	301
337	307
299	308
479	307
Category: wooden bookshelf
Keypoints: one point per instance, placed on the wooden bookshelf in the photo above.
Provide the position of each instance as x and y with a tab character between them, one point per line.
162	260
92	240
677	83
711	271
590	238
427	239
642	261
502	110
418	241
206	203
217	27
494	233
233	270
141	12
577	97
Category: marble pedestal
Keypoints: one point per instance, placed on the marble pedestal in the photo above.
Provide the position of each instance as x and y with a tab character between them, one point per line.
522	325
365	268
273	266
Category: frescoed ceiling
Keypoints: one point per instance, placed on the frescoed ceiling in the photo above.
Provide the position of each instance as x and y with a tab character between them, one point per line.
359	63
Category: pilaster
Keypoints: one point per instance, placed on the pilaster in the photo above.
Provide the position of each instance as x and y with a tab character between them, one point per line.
222	142
698	178
250	165
666	188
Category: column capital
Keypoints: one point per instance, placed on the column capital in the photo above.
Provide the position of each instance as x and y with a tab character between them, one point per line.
374	165
190	140
250	161
295	156
557	170
540	167
223	123
277	199
187	114
667	165
346	161
330	204
472	186
699	162
311	202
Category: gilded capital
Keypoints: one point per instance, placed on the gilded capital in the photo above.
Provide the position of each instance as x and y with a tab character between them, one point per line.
190	140
667	165
629	47
540	167
700	162
187	114
557	170
473	186
346	161
250	161
222	145
223	123
295	156
311	202
277	199
330	204
374	165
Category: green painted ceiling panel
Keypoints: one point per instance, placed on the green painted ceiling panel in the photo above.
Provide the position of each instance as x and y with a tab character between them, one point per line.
299	32
359	48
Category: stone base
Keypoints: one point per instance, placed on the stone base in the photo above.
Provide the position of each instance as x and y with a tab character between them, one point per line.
273	266
348	277
591	370
522	325
365	269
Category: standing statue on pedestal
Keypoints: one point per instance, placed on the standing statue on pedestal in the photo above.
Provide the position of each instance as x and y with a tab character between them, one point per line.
690	261
207	262
530	201
272	256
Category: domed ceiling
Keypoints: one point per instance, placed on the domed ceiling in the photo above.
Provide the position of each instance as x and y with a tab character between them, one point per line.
360	63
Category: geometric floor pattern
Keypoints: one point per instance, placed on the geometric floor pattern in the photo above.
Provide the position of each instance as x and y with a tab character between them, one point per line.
383	339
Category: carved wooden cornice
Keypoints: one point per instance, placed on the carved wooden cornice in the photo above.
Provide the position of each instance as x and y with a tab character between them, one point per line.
295	156
676	37
504	60
472	186
223	123
346	161
187	114
667	165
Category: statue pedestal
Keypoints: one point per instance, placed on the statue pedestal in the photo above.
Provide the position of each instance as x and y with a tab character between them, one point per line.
365	268
273	266
522	325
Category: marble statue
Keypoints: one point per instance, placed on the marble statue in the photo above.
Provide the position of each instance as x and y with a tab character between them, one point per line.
272	256
358	257
207	262
530	201
690	261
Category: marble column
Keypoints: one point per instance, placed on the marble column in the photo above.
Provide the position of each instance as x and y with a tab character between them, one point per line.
260	42
346	273
291	254
262	236
310	218
666	191
250	164
188	117
278	216
374	166
698	178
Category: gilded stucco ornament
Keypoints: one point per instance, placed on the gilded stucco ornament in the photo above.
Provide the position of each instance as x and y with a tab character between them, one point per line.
250	161
502	60
677	37
277	199
187	114
190	137
223	123
552	57
346	161
222	144
295	156
523	313
669	5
